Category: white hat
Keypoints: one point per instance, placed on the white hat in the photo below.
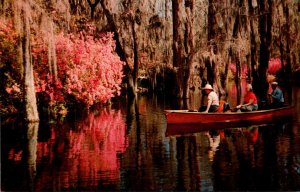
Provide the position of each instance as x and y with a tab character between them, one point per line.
274	83
208	86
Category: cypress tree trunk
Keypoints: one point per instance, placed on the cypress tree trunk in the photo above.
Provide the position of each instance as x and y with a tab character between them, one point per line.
183	45
211	20
93	7
253	46
288	68
29	89
288	48
31	152
265	26
135	56
210	62
189	46
178	60
19	29
127	70
135	21
238	79
52	53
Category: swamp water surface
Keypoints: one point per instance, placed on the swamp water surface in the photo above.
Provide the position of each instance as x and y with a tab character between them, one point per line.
117	149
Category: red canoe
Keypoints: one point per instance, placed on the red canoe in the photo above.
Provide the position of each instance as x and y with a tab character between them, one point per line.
186	117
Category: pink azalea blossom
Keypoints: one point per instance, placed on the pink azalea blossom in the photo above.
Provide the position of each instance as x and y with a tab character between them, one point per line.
88	67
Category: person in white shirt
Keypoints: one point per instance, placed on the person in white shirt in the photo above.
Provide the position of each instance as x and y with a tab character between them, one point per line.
214	139
212	100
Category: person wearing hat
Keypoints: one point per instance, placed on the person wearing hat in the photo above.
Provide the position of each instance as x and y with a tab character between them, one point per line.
250	100
212	100
276	95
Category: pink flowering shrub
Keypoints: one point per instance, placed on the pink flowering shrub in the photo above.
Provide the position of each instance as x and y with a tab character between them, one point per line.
274	65
10	92
87	68
8	64
244	69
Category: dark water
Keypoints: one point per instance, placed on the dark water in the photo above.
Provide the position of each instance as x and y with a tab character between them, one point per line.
125	148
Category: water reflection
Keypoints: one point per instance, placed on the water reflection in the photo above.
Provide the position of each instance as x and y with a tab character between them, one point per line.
91	148
32	134
76	155
246	158
23	154
214	138
126	148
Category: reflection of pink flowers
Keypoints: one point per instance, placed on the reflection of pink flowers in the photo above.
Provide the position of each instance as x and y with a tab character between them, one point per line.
15	155
252	135
98	142
91	153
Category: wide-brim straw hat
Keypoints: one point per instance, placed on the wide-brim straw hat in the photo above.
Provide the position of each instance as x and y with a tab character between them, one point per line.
208	86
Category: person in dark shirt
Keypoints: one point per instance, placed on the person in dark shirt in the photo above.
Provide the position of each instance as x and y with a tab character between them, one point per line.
276	95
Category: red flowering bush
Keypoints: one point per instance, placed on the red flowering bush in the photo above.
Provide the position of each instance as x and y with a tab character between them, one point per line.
83	65
244	69
274	65
10	92
8	51
87	68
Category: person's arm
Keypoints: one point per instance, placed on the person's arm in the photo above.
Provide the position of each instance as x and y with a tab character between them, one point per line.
208	105
245	104
249	103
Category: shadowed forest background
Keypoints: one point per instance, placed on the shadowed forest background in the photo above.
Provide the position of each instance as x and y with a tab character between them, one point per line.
60	54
